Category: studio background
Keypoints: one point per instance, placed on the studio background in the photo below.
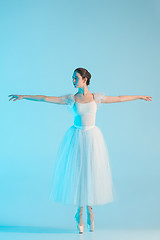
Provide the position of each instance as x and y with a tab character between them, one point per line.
41	44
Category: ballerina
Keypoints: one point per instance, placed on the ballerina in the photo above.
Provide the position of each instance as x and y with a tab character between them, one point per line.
81	172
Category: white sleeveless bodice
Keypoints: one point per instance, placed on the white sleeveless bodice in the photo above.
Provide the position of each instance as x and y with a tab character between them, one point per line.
84	113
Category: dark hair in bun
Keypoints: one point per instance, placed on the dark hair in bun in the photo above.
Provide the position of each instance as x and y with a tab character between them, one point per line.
84	73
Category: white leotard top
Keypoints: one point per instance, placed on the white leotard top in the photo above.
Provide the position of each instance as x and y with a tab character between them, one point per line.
84	113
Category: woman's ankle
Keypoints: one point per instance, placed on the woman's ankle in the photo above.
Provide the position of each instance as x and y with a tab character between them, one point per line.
89	208
80	209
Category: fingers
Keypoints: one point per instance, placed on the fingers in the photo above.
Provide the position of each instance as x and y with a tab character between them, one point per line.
15	97
11	98
148	98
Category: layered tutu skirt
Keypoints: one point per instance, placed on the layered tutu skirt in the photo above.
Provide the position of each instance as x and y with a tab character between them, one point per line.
81	171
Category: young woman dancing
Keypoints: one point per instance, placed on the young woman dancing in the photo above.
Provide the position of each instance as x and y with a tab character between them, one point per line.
81	172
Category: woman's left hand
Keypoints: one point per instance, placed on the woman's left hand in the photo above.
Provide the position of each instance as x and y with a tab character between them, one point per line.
146	98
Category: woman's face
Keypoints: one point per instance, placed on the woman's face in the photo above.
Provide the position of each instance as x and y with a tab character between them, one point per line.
78	81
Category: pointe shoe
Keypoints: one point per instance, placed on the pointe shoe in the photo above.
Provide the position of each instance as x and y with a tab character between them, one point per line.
90	220
80	224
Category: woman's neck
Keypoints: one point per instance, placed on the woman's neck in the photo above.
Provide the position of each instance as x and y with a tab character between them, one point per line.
83	91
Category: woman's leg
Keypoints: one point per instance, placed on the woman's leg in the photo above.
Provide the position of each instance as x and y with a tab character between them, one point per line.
79	215
90	218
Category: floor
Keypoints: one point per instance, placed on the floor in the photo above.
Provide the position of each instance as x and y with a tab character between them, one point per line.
37	233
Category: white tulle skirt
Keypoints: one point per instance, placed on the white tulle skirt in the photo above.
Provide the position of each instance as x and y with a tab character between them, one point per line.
81	171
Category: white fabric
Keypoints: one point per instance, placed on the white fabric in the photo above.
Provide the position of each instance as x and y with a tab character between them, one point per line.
81	172
69	98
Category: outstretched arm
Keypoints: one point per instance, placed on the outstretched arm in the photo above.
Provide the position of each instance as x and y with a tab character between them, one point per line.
41	98
123	98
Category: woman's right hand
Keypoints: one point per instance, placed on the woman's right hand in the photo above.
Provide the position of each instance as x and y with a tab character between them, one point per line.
15	97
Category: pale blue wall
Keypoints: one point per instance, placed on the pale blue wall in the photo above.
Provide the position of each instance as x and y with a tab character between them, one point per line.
41	43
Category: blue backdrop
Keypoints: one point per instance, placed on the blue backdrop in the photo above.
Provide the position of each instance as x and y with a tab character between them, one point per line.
41	44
